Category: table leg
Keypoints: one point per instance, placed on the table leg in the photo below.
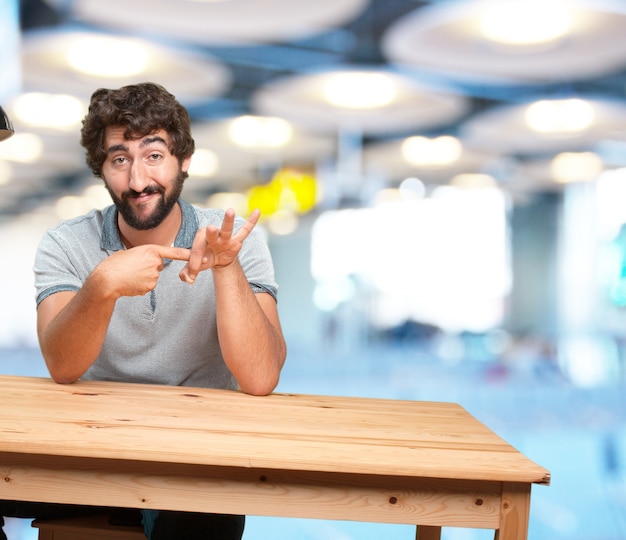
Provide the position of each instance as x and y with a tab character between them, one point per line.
425	532
515	511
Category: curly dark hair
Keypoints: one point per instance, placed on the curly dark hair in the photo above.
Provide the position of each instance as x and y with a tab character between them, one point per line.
142	109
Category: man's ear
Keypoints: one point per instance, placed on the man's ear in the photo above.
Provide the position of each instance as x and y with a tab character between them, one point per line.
185	164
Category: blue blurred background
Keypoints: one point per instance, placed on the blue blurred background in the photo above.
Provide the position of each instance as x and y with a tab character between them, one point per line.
458	237
568	418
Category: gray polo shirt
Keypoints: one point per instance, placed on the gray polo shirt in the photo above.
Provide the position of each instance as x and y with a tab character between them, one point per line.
168	336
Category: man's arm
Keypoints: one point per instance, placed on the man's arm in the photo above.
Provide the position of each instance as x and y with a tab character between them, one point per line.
71	326
248	325
249	331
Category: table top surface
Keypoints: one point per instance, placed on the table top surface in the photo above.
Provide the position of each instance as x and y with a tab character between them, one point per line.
287	432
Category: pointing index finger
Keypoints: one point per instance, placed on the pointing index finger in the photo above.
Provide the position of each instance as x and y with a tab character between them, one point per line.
174	253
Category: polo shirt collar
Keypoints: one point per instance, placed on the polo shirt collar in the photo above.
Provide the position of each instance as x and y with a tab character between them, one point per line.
111	240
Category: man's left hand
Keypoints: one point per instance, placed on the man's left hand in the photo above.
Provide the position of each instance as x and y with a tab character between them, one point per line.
217	248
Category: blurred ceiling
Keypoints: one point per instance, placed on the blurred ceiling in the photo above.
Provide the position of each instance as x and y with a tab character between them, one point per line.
226	58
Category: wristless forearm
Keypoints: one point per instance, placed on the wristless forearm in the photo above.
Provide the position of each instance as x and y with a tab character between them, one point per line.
252	345
73	339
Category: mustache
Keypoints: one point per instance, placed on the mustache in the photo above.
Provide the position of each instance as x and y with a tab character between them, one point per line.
149	190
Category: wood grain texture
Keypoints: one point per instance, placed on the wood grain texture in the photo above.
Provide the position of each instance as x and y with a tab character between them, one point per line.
515	511
251	491
280	431
144	446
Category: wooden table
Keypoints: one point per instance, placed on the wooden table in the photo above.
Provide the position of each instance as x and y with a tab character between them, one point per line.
422	463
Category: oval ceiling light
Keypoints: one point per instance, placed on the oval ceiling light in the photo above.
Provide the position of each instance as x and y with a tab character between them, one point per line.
58	111
507	130
473	181
569	167
225	200
204	162
398	102
78	62
22	148
359	90
525	22
559	116
107	56
70	206
5	172
283	222
97	196
234	22
260	132
449	38
440	151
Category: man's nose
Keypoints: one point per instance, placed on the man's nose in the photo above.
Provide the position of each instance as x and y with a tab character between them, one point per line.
139	179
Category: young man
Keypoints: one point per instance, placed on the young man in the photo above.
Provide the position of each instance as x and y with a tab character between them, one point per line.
152	289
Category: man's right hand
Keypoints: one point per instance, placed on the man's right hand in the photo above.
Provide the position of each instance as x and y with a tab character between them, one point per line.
85	315
135	272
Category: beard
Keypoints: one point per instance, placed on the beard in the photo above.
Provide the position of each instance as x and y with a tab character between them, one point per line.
164	205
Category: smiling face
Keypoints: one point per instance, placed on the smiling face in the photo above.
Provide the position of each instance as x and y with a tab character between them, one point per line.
142	176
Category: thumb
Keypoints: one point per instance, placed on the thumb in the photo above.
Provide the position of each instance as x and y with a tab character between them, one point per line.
185	276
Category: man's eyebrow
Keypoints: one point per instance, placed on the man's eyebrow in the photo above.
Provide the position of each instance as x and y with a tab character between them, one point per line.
150	140
145	142
117	148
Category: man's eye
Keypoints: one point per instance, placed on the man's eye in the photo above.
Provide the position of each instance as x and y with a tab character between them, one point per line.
119	160
154	157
